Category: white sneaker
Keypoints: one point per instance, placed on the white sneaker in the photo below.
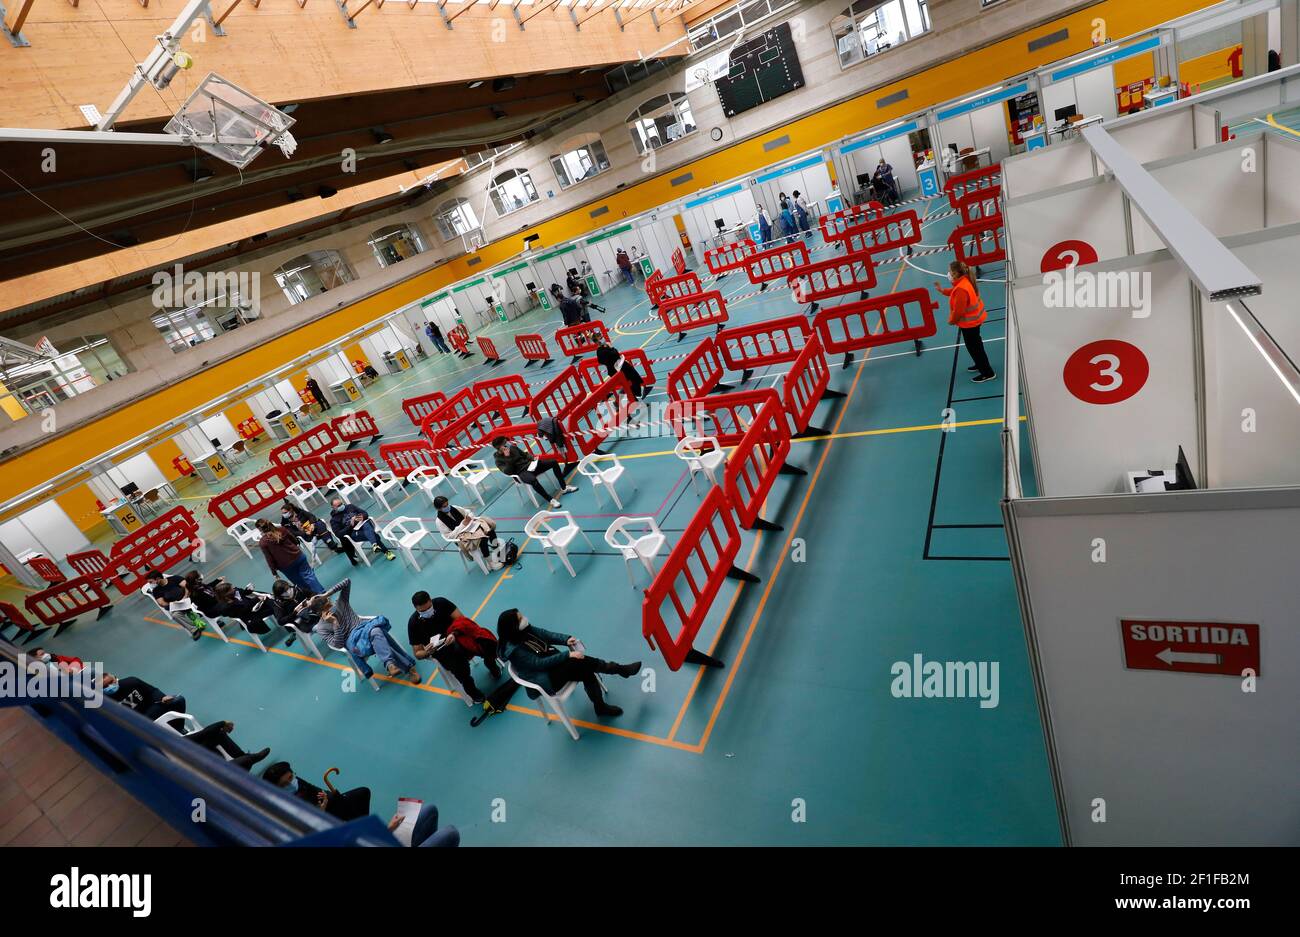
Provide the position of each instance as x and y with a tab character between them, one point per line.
555	502
569	489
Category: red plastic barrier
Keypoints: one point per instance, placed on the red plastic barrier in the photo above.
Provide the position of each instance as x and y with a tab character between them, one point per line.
355	427
958	187
876	235
805	383
67	600
771	341
688	284
699	374
456	406
579	339
182	465
250	428
47	569
532	347
676	605
679	260
525	436
724	416
980	205
979	243
513	389
249	496
838	276
594	417
417	409
178	516
307	470
489	348
461	331
319	439
560	394
882	320
16	617
756	461
693	312
836	225
464	438
94	564
459	341
170	548
776	262
652	285
356	462
730	256
403	458
593	372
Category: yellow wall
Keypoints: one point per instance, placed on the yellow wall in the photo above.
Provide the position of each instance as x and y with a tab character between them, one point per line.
79	504
1213	66
238	414
353	353
944	82
162	455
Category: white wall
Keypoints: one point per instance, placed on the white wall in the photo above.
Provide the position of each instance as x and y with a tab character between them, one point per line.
1092	212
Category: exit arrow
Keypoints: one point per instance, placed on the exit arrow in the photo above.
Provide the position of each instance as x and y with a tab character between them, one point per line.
1171	657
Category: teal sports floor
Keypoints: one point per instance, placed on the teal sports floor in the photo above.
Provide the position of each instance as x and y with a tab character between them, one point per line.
892	546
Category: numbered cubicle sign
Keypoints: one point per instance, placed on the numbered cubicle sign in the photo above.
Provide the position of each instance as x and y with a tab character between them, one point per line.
592	286
833	204
501	312
929	178
218	467
290	424
544	298
401	358
1106	371
351	389
647	268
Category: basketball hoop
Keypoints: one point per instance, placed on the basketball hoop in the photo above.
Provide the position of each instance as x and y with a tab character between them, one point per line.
227	122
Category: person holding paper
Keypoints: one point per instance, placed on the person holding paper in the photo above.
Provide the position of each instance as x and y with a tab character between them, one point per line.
416	824
472	531
437	629
551	660
511	460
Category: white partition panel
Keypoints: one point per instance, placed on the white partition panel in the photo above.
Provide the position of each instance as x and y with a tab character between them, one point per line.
1091	212
1205	125
1252	421
1056	165
1085	447
1158	136
1096	92
18	539
1281	173
1212	185
218	428
57	535
989	125
141	470
271	400
1175	758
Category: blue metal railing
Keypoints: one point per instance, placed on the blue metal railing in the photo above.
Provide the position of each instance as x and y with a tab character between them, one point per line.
195	791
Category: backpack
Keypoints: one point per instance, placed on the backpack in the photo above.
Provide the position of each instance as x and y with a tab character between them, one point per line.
511	554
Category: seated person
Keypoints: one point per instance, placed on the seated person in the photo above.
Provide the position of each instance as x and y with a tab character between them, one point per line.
57	661
249	607
170	594
437	629
144	698
216	739
551	660
426	832
476	533
202	593
512	460
308	527
288	605
348	520
344	805
344	629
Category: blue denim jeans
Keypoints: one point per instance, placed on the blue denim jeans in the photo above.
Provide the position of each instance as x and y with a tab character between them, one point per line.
374	639
302	575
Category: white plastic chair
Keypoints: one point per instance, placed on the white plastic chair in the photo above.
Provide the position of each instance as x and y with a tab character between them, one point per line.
346	487
603	477
456	687
380	482
407	533
374	684
473	474
306	638
301	493
690	450
188	726
361	548
245	532
428	478
555	702
310	547
451	538
180	616
541	527
643	547
522	488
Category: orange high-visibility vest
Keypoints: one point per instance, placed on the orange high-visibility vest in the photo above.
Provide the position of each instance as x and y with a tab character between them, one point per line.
975	313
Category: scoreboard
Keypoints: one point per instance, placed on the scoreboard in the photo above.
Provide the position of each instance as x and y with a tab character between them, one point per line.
762	68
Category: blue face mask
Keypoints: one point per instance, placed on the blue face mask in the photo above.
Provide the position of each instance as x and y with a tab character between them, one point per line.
292	786
111	688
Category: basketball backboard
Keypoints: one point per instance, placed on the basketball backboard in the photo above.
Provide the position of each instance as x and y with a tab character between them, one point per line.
237	123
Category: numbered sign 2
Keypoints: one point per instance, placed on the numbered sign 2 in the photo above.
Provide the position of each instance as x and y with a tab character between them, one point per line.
1068	254
1108	371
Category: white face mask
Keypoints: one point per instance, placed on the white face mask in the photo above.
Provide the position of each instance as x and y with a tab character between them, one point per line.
427	613
46	658
523	623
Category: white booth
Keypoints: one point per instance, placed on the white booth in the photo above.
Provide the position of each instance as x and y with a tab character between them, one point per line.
859	156
733	205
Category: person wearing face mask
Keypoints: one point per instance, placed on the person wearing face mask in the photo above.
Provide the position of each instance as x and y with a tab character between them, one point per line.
475	532
437	629
967	312
551	660
58	661
308	527
343	805
144	698
343	628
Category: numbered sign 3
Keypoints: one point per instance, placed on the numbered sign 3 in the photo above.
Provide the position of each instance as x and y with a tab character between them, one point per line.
1107	371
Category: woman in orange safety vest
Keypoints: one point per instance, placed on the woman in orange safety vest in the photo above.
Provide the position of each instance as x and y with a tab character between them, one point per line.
966	311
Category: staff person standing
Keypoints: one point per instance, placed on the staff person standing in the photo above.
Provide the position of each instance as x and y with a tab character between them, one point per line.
967	312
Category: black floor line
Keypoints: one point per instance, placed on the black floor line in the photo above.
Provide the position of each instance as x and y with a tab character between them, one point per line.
965	526
967	559
938	467
973	399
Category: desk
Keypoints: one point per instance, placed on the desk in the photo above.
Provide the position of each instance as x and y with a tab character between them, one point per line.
955	165
345	391
397	361
122	517
211	467
283	425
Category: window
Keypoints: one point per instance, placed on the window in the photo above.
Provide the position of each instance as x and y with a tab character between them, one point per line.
869	27
511	191
732	20
579	158
312	273
395	243
227	301
455	218
80	363
660	121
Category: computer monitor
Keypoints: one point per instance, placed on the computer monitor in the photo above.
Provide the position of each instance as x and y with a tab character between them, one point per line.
1065	113
531	287
864	180
129	489
1184	480
719	223
216	443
